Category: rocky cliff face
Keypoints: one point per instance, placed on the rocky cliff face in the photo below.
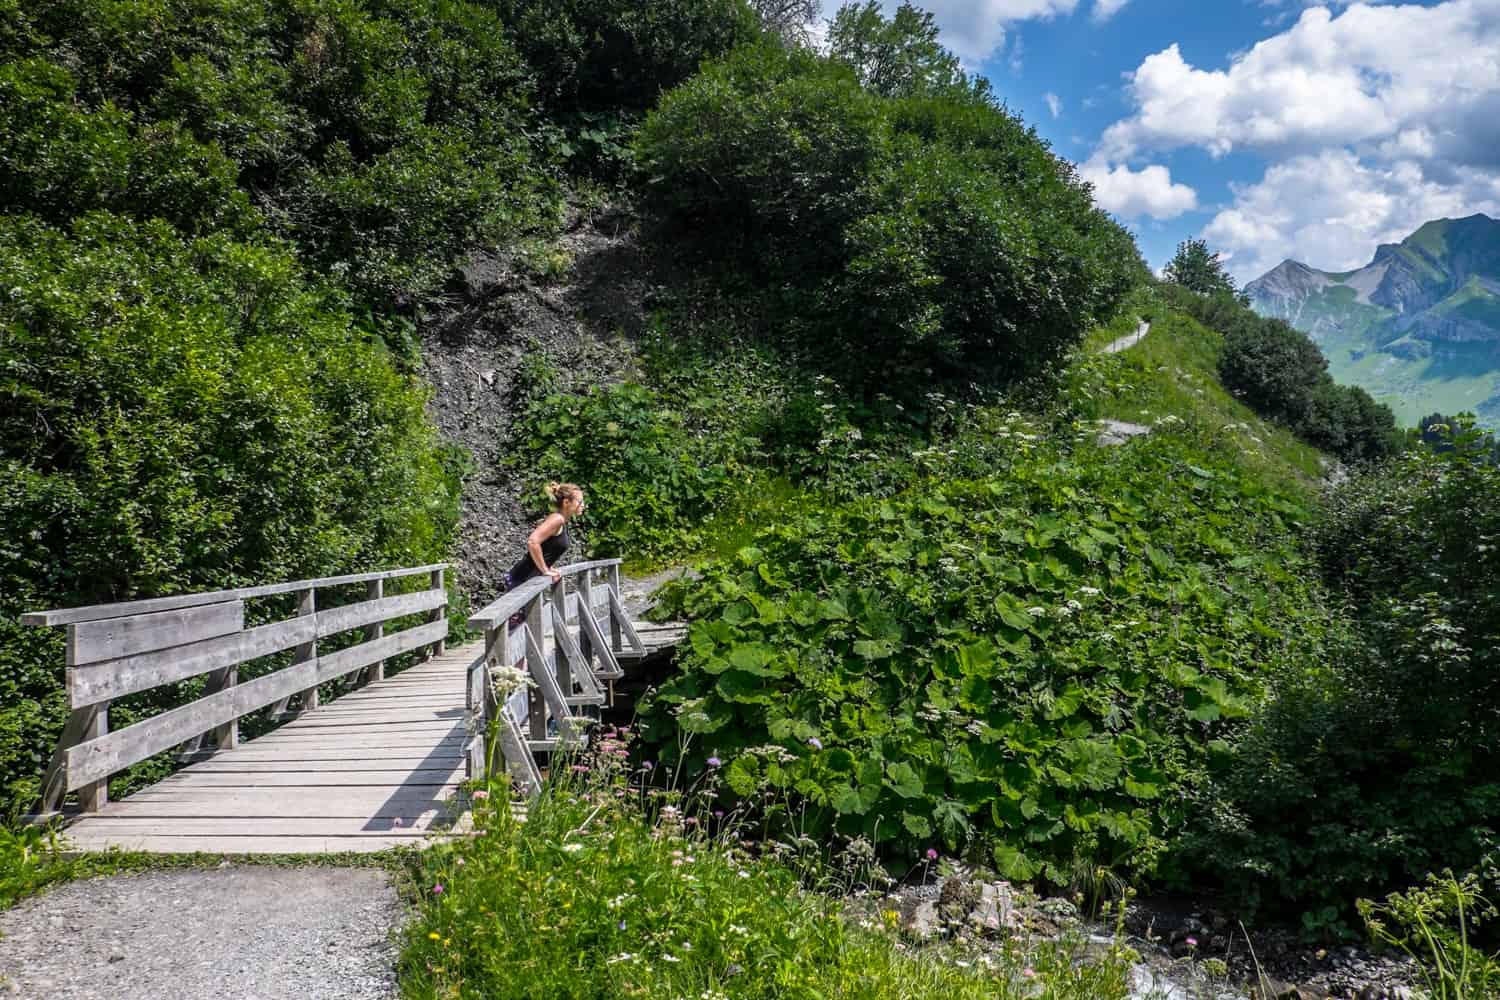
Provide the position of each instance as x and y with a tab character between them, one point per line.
572	307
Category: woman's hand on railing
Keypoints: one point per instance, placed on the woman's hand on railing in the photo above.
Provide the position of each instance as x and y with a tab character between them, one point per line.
556	575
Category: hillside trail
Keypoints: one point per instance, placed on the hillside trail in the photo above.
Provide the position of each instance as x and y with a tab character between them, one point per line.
1129	340
235	932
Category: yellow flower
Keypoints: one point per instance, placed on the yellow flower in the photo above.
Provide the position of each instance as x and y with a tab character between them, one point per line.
433	936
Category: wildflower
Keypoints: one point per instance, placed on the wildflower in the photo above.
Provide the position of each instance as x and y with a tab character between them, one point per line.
646	765
433	936
1192	942
572	848
623	956
459	862
1029	972
670	958
480	795
580	769
714	762
1036	612
932	854
437	890
1089	591
815	743
622	925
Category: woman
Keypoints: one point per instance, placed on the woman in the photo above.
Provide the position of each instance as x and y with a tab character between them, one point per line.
550	539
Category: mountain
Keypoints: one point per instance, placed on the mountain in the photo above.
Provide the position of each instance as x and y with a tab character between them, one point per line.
1419	326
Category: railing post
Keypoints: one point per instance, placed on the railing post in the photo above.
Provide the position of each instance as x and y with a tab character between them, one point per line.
564	668
227	736
616	639
585	607
95	796
438	614
374	591
307	604
538	711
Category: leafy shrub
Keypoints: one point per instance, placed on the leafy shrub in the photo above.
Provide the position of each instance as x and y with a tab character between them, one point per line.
1019	665
879	237
384	139
185	414
1367	774
652	471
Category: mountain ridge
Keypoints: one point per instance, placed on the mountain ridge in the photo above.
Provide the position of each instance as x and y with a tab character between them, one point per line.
1418	326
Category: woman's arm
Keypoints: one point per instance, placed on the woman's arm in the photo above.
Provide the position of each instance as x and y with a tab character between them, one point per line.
550	526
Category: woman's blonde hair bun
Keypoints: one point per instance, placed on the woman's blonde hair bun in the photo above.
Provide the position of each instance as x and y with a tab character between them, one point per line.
563	491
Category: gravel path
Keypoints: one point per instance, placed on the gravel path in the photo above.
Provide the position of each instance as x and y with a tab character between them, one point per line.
233	933
1129	340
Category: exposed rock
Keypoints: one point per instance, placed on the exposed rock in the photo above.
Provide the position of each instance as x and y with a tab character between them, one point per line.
1117	432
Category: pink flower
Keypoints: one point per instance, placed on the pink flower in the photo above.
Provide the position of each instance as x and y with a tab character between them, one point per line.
437	890
932	854
1192	942
714	762
1029	972
480	795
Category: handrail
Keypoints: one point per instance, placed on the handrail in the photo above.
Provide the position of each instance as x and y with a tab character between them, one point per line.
122	649
512	601
99	612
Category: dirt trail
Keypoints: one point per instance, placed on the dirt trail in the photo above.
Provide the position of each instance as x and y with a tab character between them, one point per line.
1129	340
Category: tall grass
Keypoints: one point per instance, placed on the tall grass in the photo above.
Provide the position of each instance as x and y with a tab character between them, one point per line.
609	889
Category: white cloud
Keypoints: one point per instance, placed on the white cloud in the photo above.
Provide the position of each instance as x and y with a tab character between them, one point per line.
1131	194
1106	9
1374	118
1330	210
1363	76
1054	103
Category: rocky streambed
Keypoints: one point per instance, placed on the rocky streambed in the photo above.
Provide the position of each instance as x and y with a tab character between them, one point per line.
1181	950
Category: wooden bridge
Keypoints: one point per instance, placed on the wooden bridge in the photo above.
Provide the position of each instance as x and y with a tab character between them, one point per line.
357	760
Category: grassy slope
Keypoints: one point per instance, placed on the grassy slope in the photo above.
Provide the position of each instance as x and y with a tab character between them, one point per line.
1173	372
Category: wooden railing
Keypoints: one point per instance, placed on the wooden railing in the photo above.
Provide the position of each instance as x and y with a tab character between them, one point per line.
116	650
570	657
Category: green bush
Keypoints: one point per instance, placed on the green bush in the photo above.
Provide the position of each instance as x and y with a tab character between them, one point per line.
1033	667
654	472
894	236
384	139
1281	374
1380	767
182	414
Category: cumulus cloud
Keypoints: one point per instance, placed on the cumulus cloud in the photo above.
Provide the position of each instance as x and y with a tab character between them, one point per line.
1054	103
1131	194
1374	119
1360	77
1331	209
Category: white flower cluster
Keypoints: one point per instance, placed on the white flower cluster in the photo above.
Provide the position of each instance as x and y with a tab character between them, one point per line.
508	680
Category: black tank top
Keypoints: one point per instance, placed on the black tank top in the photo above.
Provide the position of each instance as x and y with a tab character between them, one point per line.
552	550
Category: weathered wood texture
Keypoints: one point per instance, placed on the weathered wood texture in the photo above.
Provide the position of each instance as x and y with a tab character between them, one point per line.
124	609
308	787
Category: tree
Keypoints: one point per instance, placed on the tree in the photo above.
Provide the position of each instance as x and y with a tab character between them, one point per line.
900	57
1195	268
788	20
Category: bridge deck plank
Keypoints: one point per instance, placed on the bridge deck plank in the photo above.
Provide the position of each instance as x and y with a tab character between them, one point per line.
337	779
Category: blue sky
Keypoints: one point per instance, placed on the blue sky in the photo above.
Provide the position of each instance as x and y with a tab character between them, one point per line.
1271	128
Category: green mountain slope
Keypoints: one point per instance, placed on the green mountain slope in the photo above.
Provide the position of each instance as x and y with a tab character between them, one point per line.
1419	326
